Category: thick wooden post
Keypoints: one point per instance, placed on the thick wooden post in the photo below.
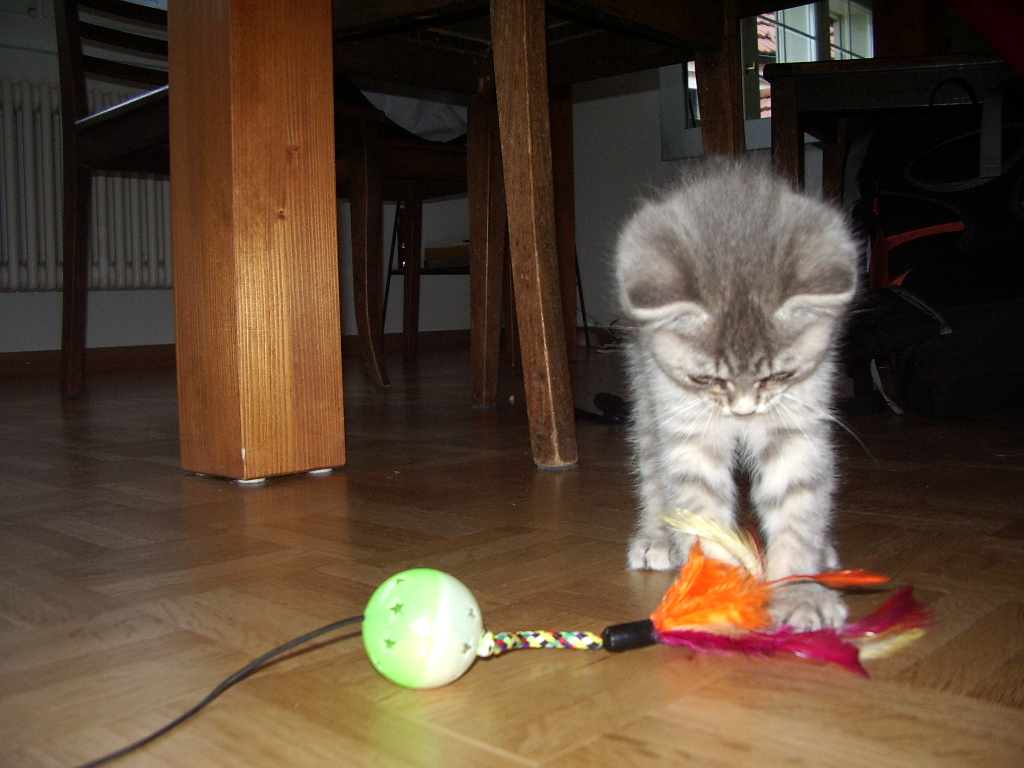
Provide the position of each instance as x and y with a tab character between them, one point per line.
487	236
720	90
255	237
520	73
908	27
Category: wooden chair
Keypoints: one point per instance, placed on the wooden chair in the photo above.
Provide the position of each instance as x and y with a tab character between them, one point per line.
132	136
378	160
407	260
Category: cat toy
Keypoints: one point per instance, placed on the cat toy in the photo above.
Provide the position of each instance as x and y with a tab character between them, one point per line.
423	628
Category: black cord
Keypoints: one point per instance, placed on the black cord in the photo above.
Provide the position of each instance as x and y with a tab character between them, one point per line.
241	674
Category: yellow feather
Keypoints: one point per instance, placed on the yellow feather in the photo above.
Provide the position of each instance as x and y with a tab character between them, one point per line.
737	542
886	644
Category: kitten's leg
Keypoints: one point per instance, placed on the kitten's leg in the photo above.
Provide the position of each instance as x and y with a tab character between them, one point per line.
792	488
689	468
652	547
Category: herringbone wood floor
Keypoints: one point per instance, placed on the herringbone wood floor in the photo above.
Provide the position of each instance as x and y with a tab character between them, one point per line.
128	589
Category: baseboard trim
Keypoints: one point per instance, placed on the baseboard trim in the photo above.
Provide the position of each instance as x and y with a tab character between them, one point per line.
46	362
427	341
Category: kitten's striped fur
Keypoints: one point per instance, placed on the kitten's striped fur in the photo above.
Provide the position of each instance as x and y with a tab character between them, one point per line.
738	286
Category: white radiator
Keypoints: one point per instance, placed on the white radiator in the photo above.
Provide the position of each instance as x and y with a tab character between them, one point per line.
131	234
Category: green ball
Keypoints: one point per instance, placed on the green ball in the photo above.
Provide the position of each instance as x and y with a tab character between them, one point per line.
421	628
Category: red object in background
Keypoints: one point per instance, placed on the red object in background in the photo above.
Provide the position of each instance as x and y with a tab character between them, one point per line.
1001	22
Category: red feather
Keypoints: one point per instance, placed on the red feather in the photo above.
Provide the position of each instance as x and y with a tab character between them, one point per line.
851	577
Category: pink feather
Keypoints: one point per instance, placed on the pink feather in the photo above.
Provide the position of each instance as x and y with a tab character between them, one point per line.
825	644
900	612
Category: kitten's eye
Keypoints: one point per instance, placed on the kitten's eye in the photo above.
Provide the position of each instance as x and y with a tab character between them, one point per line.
706	381
775	378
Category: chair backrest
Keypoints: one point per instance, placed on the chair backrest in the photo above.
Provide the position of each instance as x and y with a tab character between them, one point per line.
110	40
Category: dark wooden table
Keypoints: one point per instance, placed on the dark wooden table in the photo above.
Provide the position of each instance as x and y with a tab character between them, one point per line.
254	211
816	97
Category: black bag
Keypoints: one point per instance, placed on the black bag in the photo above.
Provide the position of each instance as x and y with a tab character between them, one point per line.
942	201
966	362
975	371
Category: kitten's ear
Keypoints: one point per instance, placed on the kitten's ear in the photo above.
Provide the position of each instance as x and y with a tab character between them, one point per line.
808	307
683	316
655	288
661	294
826	292
656	275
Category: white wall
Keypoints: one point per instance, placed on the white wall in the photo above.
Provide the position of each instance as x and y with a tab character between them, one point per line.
31	321
617	156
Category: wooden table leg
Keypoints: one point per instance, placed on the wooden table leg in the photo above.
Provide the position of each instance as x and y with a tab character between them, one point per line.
411	223
367	250
563	172
511	353
787	138
255	237
520	73
75	299
833	162
487	236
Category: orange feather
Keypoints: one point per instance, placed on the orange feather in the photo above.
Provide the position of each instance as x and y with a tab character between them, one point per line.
714	596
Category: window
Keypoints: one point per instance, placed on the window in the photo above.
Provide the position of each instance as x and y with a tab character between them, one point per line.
850	34
829	29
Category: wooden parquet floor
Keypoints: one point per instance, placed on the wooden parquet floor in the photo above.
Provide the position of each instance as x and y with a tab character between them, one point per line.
128	589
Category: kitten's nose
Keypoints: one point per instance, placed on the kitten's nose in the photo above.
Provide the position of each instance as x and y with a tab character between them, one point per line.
743	405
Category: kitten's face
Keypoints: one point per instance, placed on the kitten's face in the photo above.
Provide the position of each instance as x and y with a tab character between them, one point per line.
736	283
742	380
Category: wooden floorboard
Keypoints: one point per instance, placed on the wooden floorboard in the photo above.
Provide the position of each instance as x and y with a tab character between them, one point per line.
128	589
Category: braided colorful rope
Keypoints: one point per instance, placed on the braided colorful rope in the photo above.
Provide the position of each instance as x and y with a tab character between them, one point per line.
495	644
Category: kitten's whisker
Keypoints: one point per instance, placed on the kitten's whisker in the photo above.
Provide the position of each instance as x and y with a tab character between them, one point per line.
837	420
710	409
784	424
682	410
794	420
799	422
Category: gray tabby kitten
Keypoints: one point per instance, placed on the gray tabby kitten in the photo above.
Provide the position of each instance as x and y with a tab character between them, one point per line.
738	286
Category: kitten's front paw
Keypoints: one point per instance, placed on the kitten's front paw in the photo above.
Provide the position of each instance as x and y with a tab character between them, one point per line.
651	554
807	607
